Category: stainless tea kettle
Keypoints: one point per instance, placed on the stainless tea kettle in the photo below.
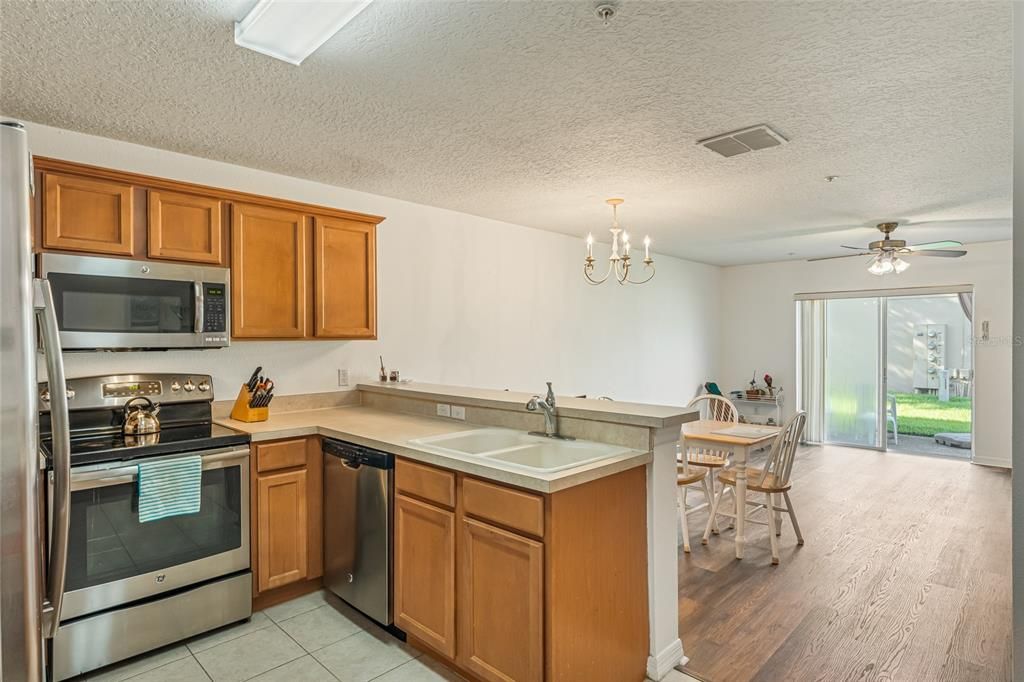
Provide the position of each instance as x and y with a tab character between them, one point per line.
140	419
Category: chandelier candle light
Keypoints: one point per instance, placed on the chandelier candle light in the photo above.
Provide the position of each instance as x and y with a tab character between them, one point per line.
617	263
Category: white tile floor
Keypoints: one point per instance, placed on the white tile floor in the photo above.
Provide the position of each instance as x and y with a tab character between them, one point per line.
312	638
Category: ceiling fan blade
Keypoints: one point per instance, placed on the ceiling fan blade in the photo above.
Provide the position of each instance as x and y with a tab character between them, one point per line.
940	253
855	248
845	255
928	246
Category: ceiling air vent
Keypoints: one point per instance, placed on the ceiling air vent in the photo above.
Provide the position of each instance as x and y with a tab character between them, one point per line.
743	141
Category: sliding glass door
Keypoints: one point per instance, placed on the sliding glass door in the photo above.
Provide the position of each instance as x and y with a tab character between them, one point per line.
852	406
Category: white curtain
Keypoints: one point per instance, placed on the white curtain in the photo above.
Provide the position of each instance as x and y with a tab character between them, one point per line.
811	363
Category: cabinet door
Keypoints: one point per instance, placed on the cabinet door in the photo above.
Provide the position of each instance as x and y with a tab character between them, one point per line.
185	227
345	292
282	520
81	214
501	604
269	294
425	573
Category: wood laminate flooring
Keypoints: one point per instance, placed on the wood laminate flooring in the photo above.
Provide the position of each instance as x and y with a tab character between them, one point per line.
905	575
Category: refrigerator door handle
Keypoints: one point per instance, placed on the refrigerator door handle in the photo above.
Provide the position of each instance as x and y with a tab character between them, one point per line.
57	570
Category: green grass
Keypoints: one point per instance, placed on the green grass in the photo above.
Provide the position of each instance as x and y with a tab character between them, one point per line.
924	415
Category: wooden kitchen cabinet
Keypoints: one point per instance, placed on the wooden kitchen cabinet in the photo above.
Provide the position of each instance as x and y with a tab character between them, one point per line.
527	567
269	273
286	512
298	271
87	214
424	573
185	227
500	604
283	528
345	279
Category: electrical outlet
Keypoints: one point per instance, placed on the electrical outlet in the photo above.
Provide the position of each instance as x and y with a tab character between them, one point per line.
444	410
342	377
459	412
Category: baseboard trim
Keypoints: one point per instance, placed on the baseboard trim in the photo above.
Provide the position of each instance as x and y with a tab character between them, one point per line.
999	463
665	662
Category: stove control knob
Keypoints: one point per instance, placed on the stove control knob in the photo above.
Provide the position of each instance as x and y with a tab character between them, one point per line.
175	386
204	386
189	386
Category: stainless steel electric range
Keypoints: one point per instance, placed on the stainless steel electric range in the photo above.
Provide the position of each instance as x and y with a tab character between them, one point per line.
131	586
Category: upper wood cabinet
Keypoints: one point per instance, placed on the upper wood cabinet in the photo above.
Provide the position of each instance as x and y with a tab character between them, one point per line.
185	227
345	279
85	214
269	273
298	271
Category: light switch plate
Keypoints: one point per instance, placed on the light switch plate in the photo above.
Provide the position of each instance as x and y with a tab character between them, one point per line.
342	377
459	412
444	410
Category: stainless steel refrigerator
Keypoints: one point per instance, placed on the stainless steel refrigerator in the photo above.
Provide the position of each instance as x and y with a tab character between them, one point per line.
33	548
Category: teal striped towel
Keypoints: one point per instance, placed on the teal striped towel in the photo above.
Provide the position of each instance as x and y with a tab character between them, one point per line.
170	487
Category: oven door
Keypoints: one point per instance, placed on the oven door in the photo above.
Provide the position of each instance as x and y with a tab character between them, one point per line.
118	304
113	559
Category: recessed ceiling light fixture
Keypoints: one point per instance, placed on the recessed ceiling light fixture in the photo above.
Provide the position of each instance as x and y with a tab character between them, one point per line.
291	30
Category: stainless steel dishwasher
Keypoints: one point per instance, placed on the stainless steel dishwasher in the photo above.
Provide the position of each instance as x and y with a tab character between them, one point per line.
358	516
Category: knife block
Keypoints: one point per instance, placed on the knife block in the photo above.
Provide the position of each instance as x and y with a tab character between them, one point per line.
243	413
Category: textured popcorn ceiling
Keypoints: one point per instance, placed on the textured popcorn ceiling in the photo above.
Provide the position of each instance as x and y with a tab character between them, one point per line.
534	112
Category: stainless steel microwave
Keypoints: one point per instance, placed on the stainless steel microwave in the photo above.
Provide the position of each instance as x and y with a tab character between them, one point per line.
120	304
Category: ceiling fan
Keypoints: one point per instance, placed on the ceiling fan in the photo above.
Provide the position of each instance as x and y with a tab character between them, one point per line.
887	254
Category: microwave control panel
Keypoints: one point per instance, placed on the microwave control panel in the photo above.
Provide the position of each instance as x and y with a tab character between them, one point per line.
215	307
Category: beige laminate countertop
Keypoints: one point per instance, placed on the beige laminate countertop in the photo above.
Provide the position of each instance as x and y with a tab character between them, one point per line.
392	431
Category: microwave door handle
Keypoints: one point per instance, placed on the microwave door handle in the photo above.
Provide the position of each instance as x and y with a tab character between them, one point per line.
199	303
58	563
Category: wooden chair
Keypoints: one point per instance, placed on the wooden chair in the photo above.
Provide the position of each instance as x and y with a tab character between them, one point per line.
773	481
686	476
720	409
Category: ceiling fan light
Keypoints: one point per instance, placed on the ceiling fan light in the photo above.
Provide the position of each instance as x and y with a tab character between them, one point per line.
899	265
880	266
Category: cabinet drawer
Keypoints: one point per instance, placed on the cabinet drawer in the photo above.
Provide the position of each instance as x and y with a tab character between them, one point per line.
507	507
425	482
280	455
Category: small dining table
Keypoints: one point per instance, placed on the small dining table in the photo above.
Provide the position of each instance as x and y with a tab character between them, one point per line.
701	433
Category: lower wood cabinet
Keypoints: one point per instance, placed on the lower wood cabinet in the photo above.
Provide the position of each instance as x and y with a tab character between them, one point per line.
286	512
425	573
508	585
500	603
283	528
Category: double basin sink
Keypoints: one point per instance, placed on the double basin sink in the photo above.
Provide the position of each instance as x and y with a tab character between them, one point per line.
520	450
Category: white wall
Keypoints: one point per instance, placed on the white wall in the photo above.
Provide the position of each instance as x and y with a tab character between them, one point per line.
759	325
462	300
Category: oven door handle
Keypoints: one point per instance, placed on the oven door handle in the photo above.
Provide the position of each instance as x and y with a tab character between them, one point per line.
101	478
197	288
49	336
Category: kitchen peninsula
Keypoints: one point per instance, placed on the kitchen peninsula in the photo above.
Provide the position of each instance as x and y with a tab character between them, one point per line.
502	571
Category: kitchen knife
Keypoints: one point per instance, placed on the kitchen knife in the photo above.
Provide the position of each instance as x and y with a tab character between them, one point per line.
251	384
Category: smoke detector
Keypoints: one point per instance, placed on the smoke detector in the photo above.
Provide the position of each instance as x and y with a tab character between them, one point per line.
745	140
